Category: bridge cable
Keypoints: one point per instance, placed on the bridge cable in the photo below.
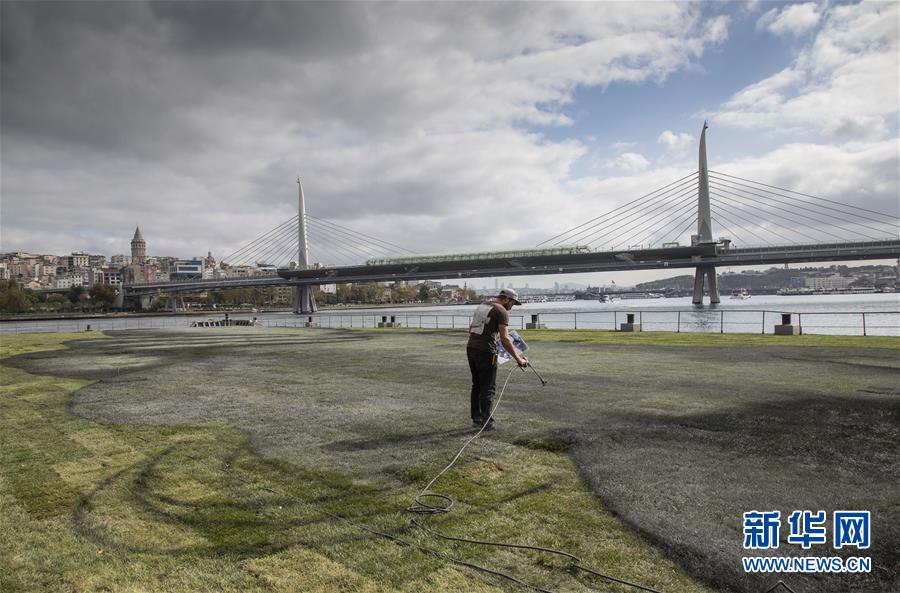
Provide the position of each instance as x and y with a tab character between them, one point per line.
768	228
251	253
773	216
276	248
290	253
608	218
350	254
739	238
726	228
728	207
676	215
259	253
728	189
259	239
687	198
766	224
349	239
810	205
358	252
606	214
325	249
680	207
641	216
672	225
377	240
803	194
361	245
685	229
621	215
766	209
652	206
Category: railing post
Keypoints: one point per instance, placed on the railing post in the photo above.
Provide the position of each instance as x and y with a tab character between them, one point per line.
864	322
678	324
576	319
764	323
721	322
800	323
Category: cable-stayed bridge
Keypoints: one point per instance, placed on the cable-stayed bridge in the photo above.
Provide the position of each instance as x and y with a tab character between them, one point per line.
670	227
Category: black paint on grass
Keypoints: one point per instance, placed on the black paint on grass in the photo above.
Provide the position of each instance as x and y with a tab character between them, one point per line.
678	441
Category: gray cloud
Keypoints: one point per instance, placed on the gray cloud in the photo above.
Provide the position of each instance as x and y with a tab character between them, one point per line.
193	119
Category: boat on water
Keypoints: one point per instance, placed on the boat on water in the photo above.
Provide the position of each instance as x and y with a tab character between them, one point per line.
741	294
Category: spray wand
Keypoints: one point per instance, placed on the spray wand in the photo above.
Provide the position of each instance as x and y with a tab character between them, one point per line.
531	366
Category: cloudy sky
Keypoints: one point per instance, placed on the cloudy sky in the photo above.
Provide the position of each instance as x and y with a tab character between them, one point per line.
442	127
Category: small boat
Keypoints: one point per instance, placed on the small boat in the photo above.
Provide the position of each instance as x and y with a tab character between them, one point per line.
742	294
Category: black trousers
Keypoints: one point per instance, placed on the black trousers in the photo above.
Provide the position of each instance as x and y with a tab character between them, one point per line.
483	365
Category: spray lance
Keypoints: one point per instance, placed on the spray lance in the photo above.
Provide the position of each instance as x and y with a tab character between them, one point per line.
520	346
530	365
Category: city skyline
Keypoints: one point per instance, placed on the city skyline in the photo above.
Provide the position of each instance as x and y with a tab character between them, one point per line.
405	121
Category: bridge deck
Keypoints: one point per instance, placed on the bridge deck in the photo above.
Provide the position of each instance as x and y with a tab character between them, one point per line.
673	257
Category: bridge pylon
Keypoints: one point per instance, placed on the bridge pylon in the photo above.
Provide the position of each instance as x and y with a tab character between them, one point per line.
705	272
304	299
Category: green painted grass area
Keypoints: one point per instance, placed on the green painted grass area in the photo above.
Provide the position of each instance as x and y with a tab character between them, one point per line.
126	487
707	340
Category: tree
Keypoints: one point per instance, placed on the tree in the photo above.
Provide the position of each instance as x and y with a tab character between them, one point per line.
342	293
12	298
404	294
58	302
75	294
424	293
103	295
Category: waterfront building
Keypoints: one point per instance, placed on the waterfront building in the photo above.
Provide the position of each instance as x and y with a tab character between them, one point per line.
78	259
68	280
830	282
112	276
186	269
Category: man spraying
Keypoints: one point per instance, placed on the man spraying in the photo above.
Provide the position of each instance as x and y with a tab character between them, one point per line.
490	324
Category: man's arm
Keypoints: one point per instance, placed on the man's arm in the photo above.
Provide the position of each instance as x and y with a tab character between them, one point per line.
507	343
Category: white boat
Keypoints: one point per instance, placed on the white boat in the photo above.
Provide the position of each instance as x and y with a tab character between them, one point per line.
742	294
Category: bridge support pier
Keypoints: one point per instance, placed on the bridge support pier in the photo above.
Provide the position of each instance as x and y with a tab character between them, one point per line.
304	300
712	287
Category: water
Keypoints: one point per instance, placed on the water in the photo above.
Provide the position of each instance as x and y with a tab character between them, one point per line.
852	314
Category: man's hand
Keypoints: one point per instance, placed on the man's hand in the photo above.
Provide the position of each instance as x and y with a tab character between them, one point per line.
522	362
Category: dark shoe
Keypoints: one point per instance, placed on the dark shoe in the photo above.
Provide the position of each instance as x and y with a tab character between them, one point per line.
489	427
477	422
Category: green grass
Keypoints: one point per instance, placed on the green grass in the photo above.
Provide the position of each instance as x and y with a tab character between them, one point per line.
161	468
705	340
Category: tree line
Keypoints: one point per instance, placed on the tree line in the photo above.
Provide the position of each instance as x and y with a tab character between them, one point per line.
100	297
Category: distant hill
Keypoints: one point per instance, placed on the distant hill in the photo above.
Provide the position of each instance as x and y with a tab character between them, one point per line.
773	278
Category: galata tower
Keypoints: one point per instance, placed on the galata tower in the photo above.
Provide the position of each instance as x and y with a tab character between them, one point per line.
138	248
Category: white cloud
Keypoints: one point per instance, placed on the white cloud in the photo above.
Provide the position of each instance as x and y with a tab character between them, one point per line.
629	161
193	119
795	19
842	85
675	142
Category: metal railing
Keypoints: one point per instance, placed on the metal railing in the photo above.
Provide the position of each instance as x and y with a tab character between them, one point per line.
863	323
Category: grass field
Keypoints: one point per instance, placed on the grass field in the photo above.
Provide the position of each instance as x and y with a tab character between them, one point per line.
231	459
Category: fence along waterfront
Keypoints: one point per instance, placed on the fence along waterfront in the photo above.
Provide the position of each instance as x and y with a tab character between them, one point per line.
860	323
